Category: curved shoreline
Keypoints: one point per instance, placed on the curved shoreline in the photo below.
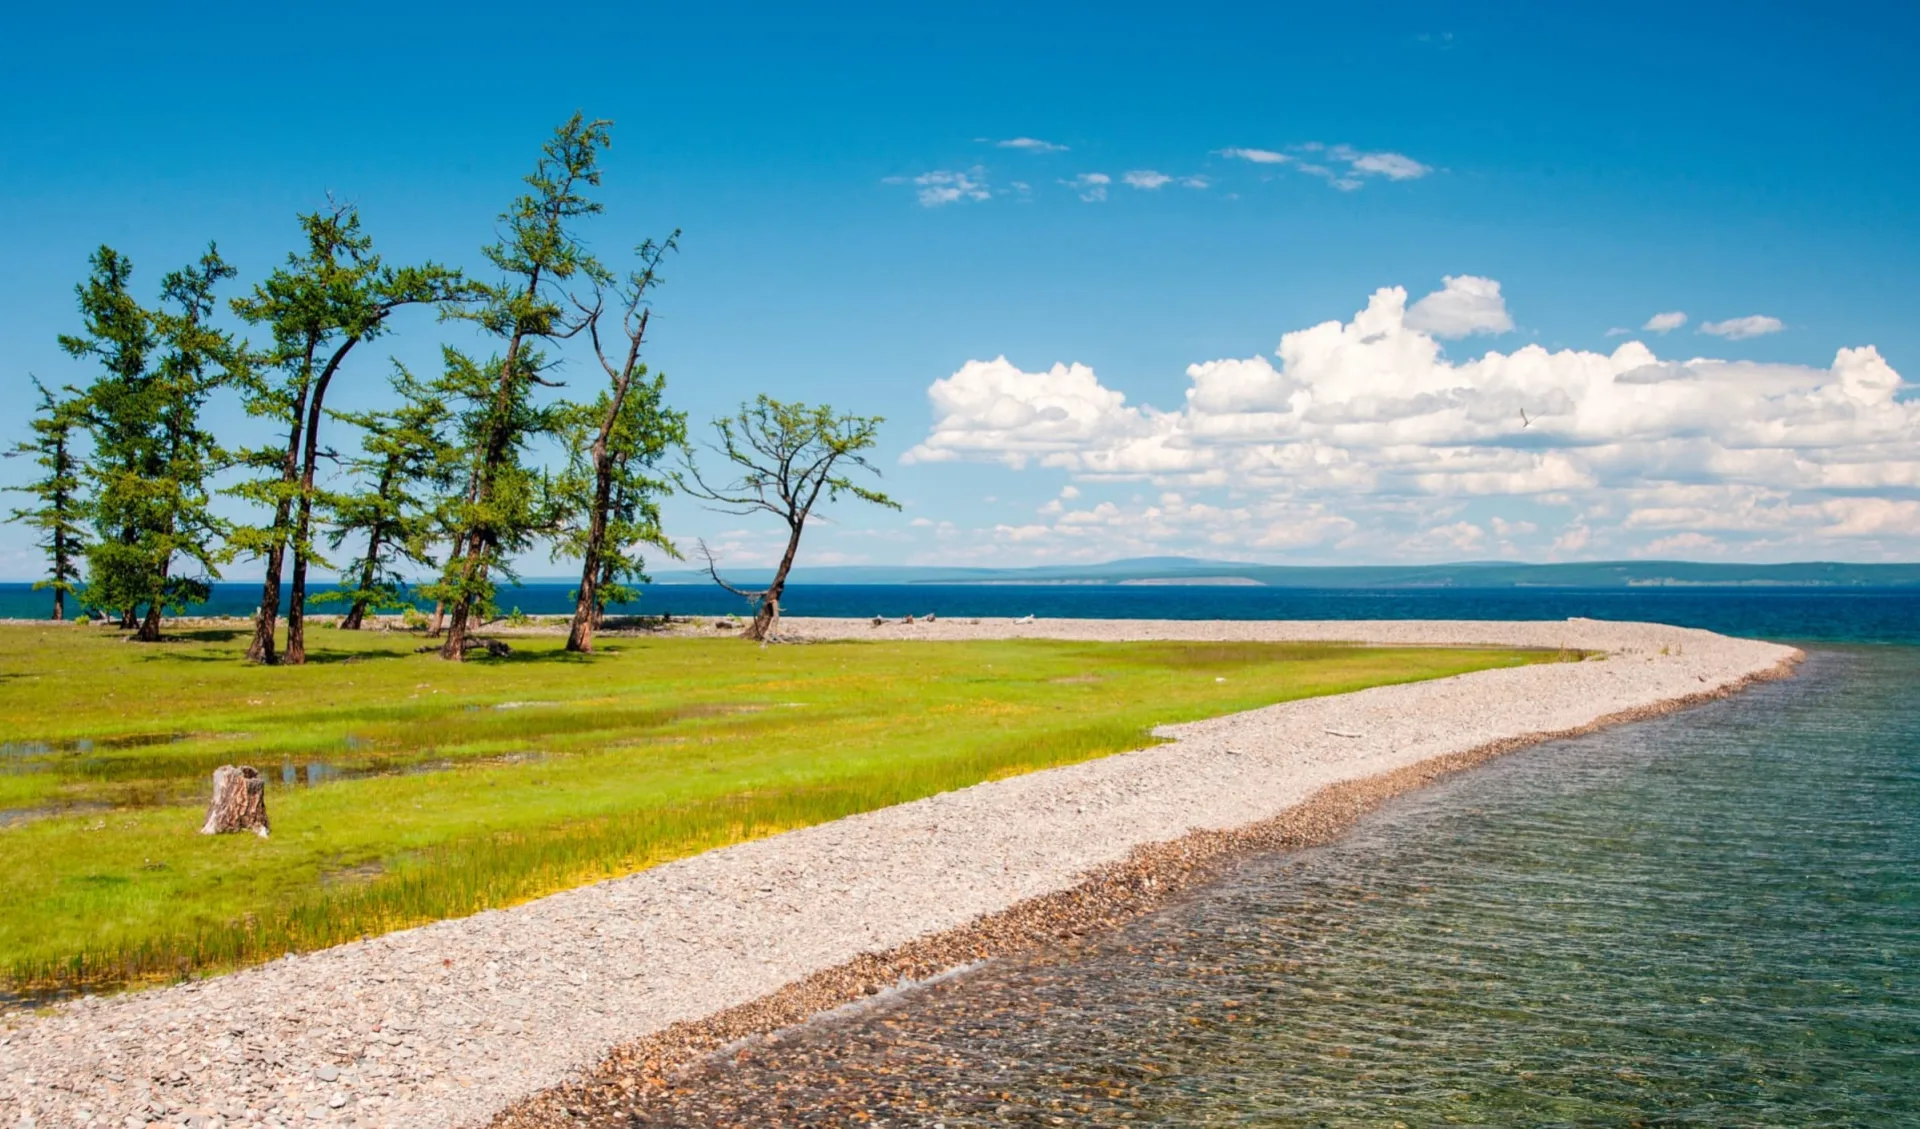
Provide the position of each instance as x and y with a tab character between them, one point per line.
1106	898
450	1023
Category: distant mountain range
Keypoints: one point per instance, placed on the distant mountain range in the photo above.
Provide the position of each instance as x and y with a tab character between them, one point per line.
1470	574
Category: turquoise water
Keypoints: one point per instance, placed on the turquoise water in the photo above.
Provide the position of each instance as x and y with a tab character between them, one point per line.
1707	919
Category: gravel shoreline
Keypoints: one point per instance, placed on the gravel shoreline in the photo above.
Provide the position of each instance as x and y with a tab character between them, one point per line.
452	1023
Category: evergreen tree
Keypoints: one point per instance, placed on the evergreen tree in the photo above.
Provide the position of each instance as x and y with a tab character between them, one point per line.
539	252
56	512
407	460
610	504
319	306
151	457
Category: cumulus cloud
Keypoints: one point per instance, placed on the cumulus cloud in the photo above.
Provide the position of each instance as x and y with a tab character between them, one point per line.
1031	145
1466	304
1091	186
1665	323
1736	329
1147	179
1369	420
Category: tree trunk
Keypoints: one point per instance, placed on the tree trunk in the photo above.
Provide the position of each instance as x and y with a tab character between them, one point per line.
600	597
59	604
357	614
479	543
150	624
585	617
267	619
129	618
297	612
766	620
585	609
455	647
303	523
239	802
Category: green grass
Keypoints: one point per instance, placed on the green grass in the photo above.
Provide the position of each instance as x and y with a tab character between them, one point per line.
443	789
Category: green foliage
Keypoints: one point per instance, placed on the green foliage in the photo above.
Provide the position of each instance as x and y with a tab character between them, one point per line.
407	464
506	506
784	456
515	507
608	497
58	510
152	459
318	307
443	801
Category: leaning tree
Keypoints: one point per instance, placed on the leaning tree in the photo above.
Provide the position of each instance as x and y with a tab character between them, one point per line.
56	511
609	501
538	254
318	306
784	458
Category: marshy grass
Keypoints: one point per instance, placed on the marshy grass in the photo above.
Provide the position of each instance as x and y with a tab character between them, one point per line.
405	790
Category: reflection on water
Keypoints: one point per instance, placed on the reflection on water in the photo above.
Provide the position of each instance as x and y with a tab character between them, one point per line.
187	778
1709	919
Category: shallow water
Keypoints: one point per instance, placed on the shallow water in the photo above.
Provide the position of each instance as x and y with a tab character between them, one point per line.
1708	919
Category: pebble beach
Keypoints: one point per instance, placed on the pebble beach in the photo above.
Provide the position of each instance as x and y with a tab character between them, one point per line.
563	1008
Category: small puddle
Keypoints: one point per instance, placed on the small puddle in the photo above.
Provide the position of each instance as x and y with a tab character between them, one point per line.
84	745
13	817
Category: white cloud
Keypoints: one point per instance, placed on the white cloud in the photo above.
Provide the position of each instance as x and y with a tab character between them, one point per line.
1195	182
1664	323
1257	156
1618	331
1682	545
1466	305
1092	186
1369	420
1737	329
945	186
1342	166
1147	179
1393	166
1031	145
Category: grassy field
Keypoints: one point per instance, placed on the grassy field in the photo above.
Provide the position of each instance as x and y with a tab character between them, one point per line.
403	789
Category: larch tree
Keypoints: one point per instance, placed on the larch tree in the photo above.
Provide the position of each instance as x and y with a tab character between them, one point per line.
505	507
610	503
784	459
152	459
326	300
405	465
57	511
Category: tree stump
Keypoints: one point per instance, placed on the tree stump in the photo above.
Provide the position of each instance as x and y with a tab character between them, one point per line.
239	801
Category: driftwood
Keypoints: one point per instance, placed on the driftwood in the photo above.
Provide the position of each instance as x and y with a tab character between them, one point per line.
239	801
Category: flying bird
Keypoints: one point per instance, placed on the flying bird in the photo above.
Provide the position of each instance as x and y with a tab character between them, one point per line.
1524	421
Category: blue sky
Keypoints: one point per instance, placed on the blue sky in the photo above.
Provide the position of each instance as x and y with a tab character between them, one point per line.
1601	164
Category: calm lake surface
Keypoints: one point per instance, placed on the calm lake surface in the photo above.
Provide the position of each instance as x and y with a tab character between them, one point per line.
1707	919
1881	615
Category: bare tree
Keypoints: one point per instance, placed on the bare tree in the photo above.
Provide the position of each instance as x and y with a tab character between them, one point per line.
785	458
